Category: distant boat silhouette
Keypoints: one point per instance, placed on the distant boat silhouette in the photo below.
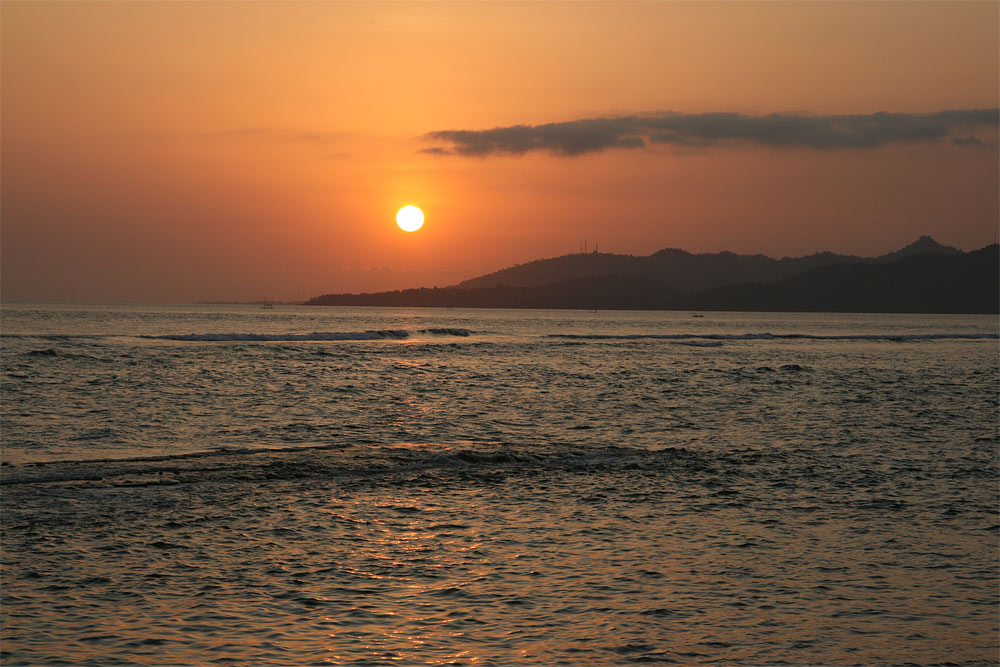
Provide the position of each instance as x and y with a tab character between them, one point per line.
697	315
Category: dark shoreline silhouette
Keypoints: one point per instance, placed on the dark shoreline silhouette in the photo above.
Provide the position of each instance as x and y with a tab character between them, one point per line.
924	277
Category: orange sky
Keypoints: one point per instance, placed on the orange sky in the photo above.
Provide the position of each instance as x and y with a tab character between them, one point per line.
196	151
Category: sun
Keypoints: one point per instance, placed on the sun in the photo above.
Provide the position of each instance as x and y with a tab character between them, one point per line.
410	218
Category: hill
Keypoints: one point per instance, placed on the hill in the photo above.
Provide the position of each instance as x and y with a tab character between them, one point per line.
671	268
922	277
682	270
925	245
625	292
916	283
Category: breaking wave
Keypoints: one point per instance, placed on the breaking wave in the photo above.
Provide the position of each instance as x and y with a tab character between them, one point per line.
693	339
311	462
381	334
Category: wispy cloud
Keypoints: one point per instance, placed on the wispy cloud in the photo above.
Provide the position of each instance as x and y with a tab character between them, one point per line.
280	135
831	132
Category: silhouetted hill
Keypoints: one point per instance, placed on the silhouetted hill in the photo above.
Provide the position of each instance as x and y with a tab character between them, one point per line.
917	283
627	292
676	269
943	280
922	246
558	269
682	270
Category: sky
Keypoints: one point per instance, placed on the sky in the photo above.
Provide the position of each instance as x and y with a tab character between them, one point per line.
198	151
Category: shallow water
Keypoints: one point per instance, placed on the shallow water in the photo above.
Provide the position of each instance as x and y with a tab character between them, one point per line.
497	487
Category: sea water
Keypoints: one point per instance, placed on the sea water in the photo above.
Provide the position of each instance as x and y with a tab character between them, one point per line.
189	485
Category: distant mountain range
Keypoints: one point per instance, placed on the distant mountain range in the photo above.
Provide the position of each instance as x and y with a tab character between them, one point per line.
925	276
681	270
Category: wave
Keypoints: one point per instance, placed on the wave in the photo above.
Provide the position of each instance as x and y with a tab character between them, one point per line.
362	464
380	334
773	336
692	339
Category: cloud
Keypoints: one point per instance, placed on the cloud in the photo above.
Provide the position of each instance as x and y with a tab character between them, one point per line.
831	132
281	135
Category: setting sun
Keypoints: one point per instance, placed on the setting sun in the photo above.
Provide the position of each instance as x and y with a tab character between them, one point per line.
410	218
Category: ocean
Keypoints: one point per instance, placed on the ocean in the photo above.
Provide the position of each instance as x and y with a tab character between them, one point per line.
235	485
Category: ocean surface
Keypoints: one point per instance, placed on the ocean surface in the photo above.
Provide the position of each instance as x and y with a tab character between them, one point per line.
197	485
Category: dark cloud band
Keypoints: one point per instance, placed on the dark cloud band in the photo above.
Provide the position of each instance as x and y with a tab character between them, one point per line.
590	135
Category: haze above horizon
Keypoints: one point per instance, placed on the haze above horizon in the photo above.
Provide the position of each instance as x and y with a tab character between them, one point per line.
199	151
